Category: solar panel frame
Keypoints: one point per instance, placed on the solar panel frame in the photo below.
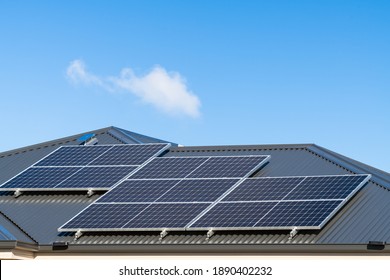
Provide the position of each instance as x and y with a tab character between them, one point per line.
165	146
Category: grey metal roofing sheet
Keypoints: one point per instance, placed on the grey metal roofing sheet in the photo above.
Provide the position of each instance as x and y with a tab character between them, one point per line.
14	230
365	218
41	214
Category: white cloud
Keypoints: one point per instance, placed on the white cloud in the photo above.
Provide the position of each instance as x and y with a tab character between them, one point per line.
167	91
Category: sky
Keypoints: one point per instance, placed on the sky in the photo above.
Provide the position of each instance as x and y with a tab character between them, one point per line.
199	72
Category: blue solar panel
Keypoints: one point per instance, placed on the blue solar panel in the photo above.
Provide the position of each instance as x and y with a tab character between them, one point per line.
199	190
169	215
256	189
326	187
84	167
138	191
169	168
298	214
233	215
96	177
106	216
73	156
228	167
42	177
128	154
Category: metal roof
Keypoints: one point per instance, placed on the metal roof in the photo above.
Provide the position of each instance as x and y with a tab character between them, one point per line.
365	218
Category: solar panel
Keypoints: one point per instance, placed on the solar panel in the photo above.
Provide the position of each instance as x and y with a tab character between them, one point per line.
198	190
302	214
84	167
255	189
106	216
166	215
96	177
38	178
326	187
128	154
73	156
138	191
169	167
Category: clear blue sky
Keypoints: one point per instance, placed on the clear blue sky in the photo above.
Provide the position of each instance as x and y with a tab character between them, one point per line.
264	71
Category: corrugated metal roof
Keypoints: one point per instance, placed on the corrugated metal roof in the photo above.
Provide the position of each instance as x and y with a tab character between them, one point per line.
365	218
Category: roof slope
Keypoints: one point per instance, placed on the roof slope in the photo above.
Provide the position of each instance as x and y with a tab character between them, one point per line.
365	218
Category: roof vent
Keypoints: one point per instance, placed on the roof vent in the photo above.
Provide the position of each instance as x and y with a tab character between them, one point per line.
88	139
376	245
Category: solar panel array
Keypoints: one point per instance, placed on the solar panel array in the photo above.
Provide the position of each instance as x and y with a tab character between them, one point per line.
156	198
96	167
146	192
168	192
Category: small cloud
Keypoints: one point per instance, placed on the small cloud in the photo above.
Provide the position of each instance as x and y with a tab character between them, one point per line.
77	73
166	91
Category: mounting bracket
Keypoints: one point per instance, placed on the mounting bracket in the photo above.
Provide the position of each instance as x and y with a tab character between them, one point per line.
78	234
209	234
293	233
163	234
17	193
90	192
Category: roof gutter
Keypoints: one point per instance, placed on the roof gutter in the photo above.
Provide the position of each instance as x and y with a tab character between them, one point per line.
233	249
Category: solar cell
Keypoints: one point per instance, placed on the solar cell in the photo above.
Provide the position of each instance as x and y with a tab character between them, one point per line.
96	177
167	215
227	167
198	190
256	189
73	156
288	214
128	154
169	168
105	216
138	191
40	178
